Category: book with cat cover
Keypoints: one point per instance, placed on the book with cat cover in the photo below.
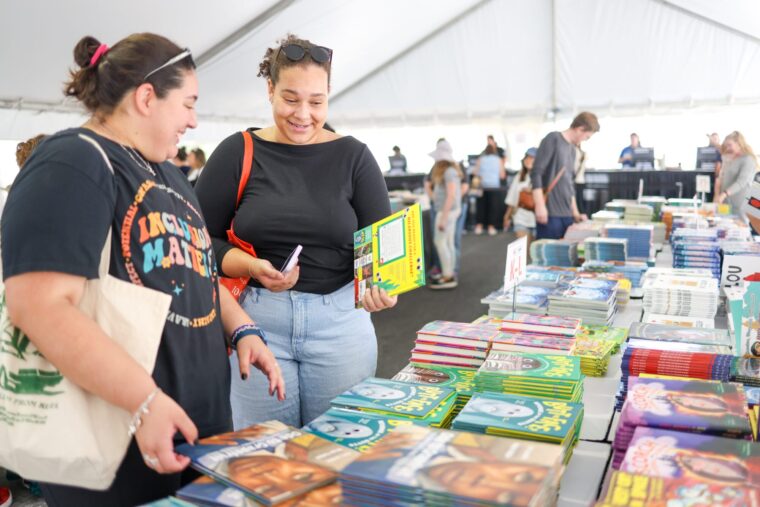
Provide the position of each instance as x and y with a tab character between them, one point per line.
352	429
519	416
270	462
707	458
422	466
389	254
394	398
634	490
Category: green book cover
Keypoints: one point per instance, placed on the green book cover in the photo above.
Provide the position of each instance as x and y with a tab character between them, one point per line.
520	414
461	379
352	429
393	397
561	368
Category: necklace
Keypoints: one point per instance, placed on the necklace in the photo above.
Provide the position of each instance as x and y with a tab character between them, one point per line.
135	155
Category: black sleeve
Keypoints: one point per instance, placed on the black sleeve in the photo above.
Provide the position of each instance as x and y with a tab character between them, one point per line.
58	211
370	198
217	191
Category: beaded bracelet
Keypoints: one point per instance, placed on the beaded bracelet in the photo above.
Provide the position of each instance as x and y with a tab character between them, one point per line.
246	330
142	410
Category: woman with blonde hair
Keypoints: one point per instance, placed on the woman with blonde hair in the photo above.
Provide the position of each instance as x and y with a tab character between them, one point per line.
445	177
737	173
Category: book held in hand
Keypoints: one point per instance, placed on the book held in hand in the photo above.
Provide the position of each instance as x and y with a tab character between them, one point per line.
389	254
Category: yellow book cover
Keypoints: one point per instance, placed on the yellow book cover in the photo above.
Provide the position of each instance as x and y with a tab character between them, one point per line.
390	254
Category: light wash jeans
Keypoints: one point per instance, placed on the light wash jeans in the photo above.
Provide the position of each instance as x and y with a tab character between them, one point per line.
323	345
444	242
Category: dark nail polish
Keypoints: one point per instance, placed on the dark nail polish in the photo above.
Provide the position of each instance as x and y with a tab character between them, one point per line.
196	441
244	376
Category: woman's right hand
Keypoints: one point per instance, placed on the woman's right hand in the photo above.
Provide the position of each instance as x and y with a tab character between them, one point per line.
271	278
155	436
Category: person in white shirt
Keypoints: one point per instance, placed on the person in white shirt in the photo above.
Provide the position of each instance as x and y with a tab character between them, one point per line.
524	220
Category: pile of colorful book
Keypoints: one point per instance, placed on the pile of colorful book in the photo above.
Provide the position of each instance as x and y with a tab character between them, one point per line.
582	230
605	249
594	355
615	335
638	212
632	270
554	252
696	365
462	380
541	324
529	299
714	340
746	370
427	404
696	248
692	406
679	295
594	301
446	343
637	490
523	417
640	239
421	466
540	375
269	463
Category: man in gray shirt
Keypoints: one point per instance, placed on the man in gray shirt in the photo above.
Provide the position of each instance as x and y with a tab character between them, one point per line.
553	177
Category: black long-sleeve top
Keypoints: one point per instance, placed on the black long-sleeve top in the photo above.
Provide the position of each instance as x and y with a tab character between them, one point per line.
315	195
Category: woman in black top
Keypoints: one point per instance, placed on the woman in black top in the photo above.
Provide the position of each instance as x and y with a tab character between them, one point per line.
142	95
307	186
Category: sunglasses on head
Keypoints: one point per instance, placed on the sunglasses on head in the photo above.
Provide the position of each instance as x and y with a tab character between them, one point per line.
296	53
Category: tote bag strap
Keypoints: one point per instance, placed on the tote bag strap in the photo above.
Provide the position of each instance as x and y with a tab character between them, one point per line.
105	255
555	181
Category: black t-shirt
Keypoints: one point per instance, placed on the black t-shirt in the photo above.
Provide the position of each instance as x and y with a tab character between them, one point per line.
57	217
315	195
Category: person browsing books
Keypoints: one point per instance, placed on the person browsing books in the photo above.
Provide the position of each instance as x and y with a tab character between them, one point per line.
141	95
737	172
524	220
307	186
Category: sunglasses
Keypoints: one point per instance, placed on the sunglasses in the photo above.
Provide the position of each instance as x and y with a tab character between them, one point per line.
296	53
184	54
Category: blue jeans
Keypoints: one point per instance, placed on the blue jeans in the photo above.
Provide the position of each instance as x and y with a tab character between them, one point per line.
553	229
323	345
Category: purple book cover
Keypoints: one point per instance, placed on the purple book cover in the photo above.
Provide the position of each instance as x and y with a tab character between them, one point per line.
663	453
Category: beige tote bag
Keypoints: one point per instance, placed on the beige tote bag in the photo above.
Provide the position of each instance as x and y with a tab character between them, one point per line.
52	430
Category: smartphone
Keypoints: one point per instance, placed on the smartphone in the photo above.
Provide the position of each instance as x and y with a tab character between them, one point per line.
292	260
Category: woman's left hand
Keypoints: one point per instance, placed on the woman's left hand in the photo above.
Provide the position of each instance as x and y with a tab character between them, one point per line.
252	351
376	299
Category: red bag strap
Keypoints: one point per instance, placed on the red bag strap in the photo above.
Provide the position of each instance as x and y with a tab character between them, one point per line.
552	184
245	172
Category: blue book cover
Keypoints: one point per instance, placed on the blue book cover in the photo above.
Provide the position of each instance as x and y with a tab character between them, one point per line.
392	397
271	462
206	491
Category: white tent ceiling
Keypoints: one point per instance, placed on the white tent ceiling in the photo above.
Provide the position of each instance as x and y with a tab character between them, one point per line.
406	62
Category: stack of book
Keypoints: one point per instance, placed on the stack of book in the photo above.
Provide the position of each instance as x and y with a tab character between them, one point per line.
632	270
696	248
676	346
669	333
354	429
431	405
656	202
542	324
707	458
594	355
636	490
248	458
582	230
533	343
638	213
539	375
422	466
208	492
541	277
746	370
453	343
675	320
693	406
696	365
530	299
605	249
640	239
462	380
616	335
523	417
554	252
607	216
677	295
594	301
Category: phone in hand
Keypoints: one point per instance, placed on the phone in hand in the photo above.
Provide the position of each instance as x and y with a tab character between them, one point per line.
292	260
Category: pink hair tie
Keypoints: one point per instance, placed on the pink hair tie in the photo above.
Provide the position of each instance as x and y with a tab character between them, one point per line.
102	49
